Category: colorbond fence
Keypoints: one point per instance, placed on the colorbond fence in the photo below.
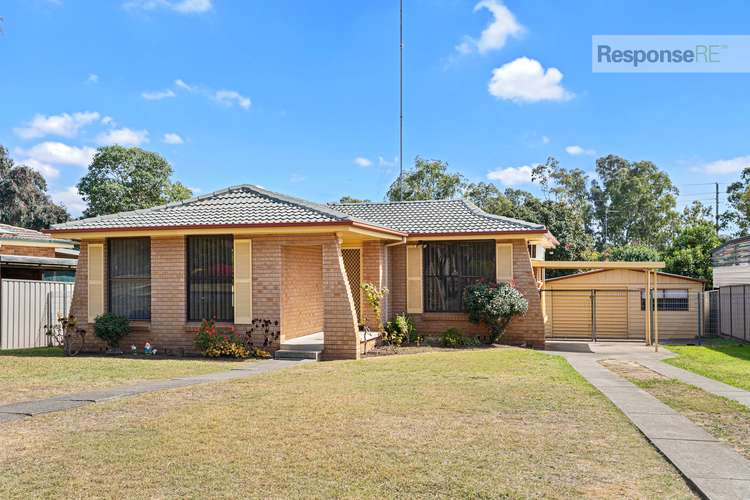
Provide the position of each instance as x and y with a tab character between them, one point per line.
26	307
734	311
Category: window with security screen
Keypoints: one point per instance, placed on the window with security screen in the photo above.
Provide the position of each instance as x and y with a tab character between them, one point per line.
129	273
210	268
668	300
449	267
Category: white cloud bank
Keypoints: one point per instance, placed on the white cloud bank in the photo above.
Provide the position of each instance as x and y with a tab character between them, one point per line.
579	151
71	199
124	137
362	161
232	97
511	175
525	80
503	26
181	6
57	153
158	95
63	125
172	138
726	166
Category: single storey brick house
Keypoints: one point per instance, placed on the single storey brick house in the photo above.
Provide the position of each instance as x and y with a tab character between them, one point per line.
246	253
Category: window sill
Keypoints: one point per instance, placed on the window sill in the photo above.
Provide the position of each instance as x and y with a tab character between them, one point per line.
194	326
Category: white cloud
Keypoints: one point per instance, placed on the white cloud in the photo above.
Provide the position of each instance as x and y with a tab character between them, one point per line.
579	151
362	161
108	120
231	97
71	199
184	86
182	6
172	138
387	163
157	95
727	166
124	137
57	153
525	80
93	78
511	175
545	139
47	170
494	36
64	125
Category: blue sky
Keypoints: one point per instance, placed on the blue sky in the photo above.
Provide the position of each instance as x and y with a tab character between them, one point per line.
302	96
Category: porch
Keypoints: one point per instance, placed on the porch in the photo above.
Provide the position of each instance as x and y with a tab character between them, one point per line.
311	346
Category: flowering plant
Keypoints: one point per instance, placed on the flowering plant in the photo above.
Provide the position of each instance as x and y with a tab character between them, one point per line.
217	342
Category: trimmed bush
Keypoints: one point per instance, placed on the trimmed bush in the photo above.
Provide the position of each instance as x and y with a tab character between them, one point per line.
216	342
453	338
494	304
399	329
111	328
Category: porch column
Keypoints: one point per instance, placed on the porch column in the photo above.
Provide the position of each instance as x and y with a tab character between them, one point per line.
340	319
373	263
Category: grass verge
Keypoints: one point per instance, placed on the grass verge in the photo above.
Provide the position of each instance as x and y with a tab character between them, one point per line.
492	423
723	418
44	372
724	360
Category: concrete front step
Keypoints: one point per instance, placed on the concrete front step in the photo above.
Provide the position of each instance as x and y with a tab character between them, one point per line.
301	347
297	354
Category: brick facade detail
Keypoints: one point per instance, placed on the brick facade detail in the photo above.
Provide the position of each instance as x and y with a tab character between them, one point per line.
528	329
30	251
301	291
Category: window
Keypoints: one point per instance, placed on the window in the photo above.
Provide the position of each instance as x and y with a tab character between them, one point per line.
451	266
668	300
532	251
129	272
210	278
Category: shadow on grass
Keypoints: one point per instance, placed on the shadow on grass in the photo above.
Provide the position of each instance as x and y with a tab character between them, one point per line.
35	352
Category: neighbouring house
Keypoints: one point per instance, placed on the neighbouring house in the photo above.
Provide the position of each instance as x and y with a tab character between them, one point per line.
27	254
36	284
245	253
731	276
611	304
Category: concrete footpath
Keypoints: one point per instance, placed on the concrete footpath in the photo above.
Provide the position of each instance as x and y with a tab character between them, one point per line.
713	467
27	409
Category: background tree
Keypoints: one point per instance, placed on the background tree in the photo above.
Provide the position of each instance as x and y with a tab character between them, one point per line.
737	217
633	202
24	200
631	253
351	199
121	179
429	180
690	251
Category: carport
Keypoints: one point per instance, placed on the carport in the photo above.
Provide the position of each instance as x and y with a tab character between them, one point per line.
599	309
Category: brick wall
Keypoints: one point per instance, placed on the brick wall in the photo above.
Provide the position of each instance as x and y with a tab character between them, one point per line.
528	329
302	291
318	255
24	250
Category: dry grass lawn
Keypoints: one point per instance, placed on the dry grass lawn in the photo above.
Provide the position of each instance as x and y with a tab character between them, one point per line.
41	373
494	423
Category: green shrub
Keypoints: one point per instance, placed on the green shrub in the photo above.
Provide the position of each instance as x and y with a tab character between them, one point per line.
400	329
453	338
495	305
111	328
217	342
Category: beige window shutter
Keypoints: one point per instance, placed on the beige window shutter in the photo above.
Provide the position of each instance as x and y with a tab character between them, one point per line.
503	262
414	279
243	281
95	281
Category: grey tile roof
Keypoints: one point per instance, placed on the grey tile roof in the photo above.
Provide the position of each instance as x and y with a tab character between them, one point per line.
435	216
248	205
238	205
8	232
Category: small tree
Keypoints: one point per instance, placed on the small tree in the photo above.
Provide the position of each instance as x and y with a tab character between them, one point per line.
374	297
111	328
495	305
